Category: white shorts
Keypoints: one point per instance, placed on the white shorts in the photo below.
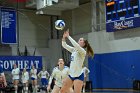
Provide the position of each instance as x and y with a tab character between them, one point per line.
24	81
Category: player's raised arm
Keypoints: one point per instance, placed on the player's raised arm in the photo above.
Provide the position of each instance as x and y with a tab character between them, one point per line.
74	43
65	45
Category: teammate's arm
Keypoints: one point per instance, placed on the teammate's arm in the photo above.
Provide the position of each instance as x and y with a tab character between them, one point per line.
39	74
12	72
47	74
27	76
66	46
50	79
35	71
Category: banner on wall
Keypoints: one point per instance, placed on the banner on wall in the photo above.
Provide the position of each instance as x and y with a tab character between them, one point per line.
8	26
22	61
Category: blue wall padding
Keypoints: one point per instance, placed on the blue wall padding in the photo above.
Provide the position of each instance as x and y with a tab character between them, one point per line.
114	70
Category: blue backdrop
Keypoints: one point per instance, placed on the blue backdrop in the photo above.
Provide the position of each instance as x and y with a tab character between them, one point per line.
115	70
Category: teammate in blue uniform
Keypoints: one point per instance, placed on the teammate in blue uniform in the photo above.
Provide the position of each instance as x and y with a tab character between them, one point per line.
44	75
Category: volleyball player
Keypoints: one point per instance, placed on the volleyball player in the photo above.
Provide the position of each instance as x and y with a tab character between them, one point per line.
76	76
59	74
33	73
25	79
2	77
44	75
85	70
15	75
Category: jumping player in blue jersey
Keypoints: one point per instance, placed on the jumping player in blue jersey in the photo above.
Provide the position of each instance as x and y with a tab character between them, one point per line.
76	75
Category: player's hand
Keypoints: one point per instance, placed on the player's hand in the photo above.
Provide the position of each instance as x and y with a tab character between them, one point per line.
66	34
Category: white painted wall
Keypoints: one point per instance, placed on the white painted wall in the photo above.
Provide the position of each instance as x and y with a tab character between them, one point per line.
81	19
33	29
103	42
55	52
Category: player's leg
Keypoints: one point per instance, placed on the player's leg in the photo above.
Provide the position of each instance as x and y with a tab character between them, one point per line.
70	90
78	83
16	85
45	84
67	83
56	89
23	87
78	86
84	84
35	84
26	86
42	83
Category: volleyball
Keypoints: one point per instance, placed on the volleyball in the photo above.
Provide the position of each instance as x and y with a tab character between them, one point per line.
59	24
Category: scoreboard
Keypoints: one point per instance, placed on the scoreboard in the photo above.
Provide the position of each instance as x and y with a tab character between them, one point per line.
122	14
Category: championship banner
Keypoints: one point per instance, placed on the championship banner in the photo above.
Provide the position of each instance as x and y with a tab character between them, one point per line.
8	26
22	61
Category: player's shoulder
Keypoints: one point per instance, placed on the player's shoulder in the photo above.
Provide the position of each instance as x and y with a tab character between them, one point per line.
55	68
35	69
18	69
66	67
